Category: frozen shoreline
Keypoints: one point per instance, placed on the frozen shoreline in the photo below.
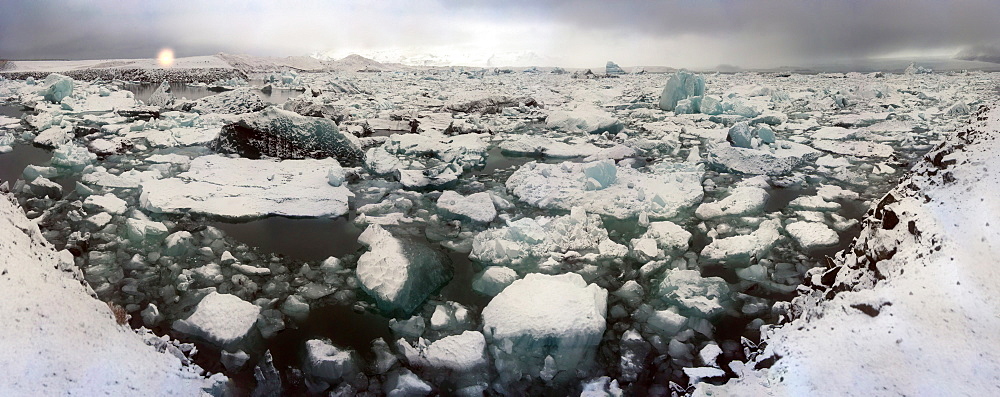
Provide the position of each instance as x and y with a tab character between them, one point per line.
910	307
60	340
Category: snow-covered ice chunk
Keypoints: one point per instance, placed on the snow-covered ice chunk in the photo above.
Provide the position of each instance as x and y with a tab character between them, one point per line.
493	279
812	235
584	119
813	203
380	162
477	206
161	97
661	194
740	135
107	203
54	136
466	151
460	353
221	319
399	273
559	318
747	198
404	383
280	133
56	87
533	145
693	294
327	363
238	101
775	159
854	148
681	85
738	250
244	188
660	240
140	231
527	243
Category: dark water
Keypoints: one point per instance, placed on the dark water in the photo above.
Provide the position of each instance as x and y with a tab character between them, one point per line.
13	163
310	239
15	111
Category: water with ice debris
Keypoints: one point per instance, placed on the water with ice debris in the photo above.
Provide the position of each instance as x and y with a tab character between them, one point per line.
458	231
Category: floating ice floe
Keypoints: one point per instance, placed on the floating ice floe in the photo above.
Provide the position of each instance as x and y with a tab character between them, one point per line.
532	145
540	244
325	364
738	250
601	187
812	235
854	148
530	338
748	197
778	158
222	319
399	273
584	119
238	101
477	207
661	239
244	188
693	294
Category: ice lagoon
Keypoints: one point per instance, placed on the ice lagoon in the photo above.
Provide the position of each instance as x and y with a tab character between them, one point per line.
540	233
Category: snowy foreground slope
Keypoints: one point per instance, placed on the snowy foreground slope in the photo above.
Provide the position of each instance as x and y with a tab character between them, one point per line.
910	309
58	340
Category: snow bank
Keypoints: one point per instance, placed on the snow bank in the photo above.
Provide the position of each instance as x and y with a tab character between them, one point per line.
910	308
58	340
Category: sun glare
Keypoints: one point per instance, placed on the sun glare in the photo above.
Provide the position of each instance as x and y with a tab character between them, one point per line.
166	57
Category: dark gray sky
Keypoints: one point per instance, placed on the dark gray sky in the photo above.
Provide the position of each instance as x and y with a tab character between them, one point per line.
688	33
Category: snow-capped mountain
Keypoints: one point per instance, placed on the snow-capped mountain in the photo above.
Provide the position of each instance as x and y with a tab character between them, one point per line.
412	56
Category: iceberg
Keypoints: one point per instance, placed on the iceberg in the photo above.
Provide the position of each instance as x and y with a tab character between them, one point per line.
545	321
399	273
613	69
280	133
56	87
681	85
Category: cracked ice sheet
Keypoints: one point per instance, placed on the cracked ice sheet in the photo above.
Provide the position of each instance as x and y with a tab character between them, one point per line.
244	188
662	194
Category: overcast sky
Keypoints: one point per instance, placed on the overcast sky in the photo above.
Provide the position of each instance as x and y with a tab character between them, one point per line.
691	33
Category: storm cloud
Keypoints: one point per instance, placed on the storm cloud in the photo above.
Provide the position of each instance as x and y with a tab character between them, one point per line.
578	33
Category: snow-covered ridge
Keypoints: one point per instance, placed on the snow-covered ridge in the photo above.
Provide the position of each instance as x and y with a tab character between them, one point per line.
59	340
910	307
